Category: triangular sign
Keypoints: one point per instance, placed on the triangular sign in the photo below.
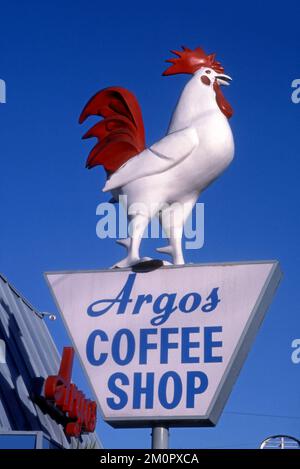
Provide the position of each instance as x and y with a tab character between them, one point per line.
167	345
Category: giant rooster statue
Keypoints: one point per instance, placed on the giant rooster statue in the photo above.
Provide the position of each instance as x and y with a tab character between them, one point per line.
167	178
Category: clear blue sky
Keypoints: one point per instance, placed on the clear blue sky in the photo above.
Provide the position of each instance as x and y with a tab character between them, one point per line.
53	57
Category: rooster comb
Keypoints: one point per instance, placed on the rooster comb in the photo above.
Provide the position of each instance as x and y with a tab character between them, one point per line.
189	61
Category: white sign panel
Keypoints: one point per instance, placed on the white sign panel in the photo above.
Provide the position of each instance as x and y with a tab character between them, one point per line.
165	345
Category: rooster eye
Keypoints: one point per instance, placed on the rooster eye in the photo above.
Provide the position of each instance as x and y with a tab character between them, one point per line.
207	71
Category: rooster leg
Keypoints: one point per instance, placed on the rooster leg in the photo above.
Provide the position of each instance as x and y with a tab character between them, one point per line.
137	227
176	244
172	220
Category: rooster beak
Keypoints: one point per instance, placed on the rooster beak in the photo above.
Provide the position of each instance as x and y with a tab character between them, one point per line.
223	79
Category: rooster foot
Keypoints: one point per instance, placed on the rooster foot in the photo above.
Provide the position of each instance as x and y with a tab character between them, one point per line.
129	261
125	242
165	250
176	254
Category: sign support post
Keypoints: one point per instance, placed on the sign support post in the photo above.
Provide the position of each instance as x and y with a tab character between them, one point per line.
160	437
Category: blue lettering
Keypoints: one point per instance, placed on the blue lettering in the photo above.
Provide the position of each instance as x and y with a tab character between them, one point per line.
177	390
196	301
210	344
166	310
213	301
163	306
116	347
112	386
170	389
138	390
165	345
90	347
191	388
187	345
141	299
123	299
145	345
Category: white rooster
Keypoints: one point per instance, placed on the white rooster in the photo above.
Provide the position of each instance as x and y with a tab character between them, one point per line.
167	178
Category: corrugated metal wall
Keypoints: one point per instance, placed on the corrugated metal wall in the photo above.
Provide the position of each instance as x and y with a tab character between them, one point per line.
30	354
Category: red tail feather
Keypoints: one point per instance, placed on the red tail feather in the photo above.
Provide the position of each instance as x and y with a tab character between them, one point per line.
120	134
